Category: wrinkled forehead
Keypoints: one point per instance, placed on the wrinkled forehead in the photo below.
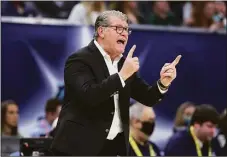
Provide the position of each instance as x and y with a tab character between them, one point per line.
117	21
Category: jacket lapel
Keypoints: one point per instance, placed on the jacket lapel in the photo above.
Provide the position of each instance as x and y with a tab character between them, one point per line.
98	61
120	63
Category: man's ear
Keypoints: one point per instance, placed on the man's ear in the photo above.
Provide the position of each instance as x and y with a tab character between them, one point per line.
101	31
197	125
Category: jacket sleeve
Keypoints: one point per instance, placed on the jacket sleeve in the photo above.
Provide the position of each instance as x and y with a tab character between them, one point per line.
80	80
175	147
144	93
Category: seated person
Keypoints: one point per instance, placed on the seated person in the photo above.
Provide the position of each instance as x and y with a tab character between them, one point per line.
9	119
183	116
44	125
162	14
222	137
141	127
199	139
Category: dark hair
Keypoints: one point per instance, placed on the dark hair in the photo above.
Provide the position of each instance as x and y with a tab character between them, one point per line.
223	122
52	104
205	113
4	109
198	14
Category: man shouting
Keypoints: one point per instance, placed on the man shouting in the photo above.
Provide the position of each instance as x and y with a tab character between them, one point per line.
99	83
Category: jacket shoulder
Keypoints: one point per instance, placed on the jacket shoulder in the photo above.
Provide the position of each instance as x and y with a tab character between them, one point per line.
81	53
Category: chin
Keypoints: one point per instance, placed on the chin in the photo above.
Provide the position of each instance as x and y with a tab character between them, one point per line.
120	51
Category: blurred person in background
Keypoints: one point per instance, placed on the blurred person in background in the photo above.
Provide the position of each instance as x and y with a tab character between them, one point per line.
199	139
53	9
142	124
162	14
18	8
85	13
9	118
187	13
220	13
222	137
183	116
144	8
60	96
202	16
44	125
130	8
53	129
177	9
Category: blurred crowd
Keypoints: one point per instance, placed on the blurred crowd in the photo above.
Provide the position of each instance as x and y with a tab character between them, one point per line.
201	14
209	125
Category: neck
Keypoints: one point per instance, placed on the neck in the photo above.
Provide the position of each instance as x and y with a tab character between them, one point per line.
139	139
7	130
112	55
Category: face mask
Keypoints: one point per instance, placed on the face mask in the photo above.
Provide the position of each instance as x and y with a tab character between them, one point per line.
187	120
148	128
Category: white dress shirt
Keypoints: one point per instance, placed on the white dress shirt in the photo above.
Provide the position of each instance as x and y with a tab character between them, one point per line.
116	126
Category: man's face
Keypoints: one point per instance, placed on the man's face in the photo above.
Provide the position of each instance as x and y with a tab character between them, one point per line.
189	111
209	10
162	6
54	115
220	7
145	125
115	37
187	114
206	130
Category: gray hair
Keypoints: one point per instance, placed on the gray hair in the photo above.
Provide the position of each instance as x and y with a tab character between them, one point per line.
136	110
103	19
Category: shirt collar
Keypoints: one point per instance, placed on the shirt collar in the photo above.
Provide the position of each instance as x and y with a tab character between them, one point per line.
104	53
199	142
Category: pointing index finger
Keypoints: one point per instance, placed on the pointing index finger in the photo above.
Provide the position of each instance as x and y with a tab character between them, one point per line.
176	61
130	54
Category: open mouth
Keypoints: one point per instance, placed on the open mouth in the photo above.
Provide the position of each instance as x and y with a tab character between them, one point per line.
121	42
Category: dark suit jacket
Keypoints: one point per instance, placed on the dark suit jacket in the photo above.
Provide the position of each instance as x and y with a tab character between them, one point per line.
145	149
87	113
182	144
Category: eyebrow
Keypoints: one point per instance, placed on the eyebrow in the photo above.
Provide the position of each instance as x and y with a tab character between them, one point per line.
120	26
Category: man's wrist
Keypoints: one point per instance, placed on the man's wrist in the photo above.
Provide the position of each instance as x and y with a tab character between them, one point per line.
122	76
163	87
122	80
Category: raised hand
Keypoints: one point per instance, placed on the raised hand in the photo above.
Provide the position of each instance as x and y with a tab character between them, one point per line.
130	66
168	72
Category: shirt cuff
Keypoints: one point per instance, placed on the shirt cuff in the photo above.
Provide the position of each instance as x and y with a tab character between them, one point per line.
122	81
162	91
